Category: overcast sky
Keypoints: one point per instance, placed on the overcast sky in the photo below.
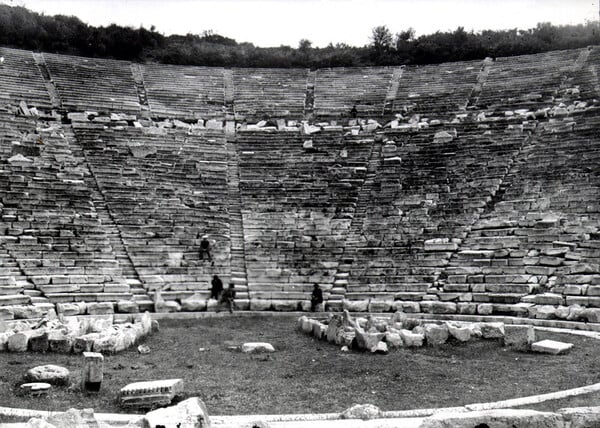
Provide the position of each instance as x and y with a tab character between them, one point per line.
285	22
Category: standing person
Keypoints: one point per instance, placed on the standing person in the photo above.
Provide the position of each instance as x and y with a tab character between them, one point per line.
216	288
227	297
205	248
316	298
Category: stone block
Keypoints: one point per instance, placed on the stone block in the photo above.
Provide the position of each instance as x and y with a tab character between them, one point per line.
519	337
93	371
551	347
501	418
257	347
485	309
436	335
260	304
194	303
150	394
458	331
49	373
464	308
127	307
85	343
100	308
39	342
492	330
284	305
356	305
581	417
190	413
412	340
406	306
60	342
27	311
18	342
167	306
35	389
394	340
443	308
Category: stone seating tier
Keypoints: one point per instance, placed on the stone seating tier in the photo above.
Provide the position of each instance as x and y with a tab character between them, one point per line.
93	84
21	80
260	93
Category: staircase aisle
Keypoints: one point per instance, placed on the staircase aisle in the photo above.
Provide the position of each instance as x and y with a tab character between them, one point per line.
236	226
130	276
342	276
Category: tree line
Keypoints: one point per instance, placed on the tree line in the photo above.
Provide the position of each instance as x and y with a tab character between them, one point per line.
23	29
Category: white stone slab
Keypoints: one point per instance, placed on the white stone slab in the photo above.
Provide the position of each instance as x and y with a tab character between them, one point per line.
551	347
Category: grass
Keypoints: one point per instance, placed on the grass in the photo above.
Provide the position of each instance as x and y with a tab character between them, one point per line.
306	375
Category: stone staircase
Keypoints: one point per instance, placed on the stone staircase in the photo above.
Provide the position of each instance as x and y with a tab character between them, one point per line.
354	235
52	91
237	255
130	276
138	79
388	104
481	79
309	100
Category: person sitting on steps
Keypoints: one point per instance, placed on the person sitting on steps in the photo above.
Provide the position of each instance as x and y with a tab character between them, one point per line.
316	298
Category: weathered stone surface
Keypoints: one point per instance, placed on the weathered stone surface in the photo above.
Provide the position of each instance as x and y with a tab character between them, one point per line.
194	303
93	371
150	394
591	314
49	373
38	423
485	309
85	343
519	337
27	311
460	332
18	342
127	307
190	413
59	341
361	411
412	340
74	418
260	304
35	388
167	306
356	305
38	342
335	323
581	417
100	308
71	309
436	334
368	341
381	348
257	347
502	418
319	330
492	330
394	340
551	347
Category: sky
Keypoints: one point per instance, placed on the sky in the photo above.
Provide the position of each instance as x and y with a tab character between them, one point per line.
285	22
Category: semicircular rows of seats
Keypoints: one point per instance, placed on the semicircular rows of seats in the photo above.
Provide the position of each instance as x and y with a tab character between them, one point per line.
480	195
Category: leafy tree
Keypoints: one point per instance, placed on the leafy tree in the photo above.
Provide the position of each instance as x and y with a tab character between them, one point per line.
381	38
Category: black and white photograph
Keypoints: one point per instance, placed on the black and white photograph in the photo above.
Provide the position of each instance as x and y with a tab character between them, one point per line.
299	213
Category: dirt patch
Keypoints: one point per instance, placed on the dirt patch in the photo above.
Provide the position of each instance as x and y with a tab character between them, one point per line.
306	375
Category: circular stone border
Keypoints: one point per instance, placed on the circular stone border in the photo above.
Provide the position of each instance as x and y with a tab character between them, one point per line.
566	327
